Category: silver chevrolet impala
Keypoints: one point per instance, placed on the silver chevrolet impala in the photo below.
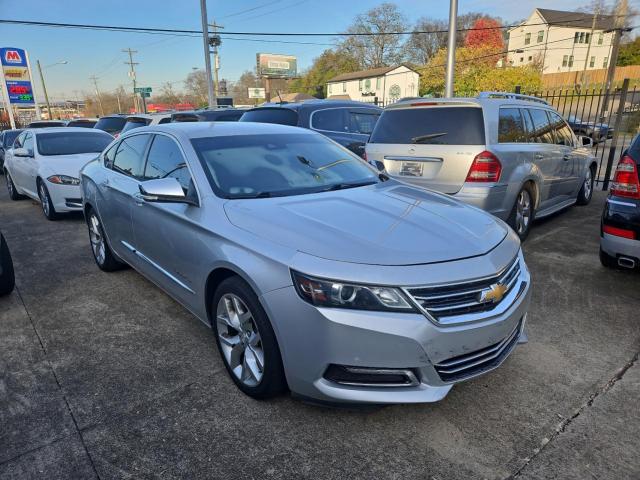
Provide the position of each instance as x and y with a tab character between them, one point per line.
315	272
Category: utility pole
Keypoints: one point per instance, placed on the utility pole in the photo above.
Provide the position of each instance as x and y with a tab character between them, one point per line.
215	41
94	79
451	48
586	59
207	57
132	74
44	89
620	16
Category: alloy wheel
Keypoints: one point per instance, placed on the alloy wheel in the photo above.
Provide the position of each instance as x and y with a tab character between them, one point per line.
588	185
44	199
523	211
240	340
97	239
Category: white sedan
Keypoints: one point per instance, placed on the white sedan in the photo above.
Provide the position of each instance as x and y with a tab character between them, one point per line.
45	164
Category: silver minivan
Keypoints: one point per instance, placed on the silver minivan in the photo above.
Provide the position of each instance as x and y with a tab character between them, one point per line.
509	154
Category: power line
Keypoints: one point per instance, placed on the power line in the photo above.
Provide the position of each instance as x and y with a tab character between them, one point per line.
250	9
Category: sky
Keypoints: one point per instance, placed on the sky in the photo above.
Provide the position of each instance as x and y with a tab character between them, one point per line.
170	58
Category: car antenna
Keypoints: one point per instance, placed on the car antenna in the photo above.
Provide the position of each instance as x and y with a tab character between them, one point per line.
278	92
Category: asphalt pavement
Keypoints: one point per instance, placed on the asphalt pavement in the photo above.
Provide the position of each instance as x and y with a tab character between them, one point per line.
104	376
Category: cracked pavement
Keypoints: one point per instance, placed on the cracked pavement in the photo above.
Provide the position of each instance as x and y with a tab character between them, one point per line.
104	376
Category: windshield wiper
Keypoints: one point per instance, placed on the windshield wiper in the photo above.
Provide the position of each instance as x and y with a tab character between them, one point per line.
429	136
342	186
252	195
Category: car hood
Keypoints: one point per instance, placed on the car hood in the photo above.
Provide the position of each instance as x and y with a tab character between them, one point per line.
384	224
67	164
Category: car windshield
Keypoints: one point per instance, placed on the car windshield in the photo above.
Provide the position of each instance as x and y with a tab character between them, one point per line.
282	116
111	124
253	166
135	123
70	143
10	136
431	125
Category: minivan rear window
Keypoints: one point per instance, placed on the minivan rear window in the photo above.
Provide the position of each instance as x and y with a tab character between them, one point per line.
282	116
431	126
135	122
111	124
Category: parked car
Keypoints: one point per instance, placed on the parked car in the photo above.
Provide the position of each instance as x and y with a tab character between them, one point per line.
215	115
47	124
7	137
620	229
511	155
7	279
347	122
314	271
145	119
112	124
44	164
82	122
598	132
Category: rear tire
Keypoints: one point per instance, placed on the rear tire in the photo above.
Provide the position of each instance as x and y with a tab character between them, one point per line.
246	340
46	203
586	191
523	212
7	278
102	254
11	187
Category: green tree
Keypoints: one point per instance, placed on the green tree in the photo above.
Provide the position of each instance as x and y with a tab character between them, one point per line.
629	53
328	65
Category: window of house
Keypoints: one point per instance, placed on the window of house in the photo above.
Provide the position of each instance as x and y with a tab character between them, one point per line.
521	59
540	36
582	35
592	62
378	83
565	60
587	38
576	37
530	58
329	89
570	60
527	39
600	38
360	85
606	62
344	87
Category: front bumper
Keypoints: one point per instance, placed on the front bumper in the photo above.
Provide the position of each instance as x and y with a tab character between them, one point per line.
313	338
65	198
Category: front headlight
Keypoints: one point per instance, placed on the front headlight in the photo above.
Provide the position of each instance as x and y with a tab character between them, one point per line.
327	293
64	180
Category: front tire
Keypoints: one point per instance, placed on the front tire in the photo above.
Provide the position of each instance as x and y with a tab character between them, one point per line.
523	213
7	278
246	340
46	203
102	254
11	187
586	191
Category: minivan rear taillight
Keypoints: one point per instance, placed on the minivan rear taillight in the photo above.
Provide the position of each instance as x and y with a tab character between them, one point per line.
485	168
626	182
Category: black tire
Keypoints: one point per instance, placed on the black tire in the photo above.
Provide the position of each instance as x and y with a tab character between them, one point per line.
45	202
273	381
586	191
102	253
522	228
11	187
607	260
7	278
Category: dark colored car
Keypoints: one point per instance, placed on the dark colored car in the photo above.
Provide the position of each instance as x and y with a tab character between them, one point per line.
599	132
6	141
47	123
7	279
218	115
620	227
347	122
112	124
83	122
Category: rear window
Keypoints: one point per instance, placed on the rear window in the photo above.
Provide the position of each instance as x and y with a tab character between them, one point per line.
282	116
46	124
111	124
184	117
434	126
70	143
132	123
82	123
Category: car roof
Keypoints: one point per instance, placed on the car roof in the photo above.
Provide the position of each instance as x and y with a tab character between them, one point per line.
221	129
320	102
514	100
150	115
62	129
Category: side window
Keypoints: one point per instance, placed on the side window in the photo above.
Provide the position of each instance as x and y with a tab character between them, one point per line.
528	124
542	131
28	142
18	141
331	119
564	135
510	126
129	158
165	160
108	156
360	122
164	120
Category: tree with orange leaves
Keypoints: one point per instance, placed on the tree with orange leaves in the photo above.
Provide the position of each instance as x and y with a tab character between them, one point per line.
485	33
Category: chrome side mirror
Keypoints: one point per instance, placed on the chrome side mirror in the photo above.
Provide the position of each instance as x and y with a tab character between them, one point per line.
585	141
22	152
164	190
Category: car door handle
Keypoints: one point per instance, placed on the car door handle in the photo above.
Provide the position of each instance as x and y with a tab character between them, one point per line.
538	156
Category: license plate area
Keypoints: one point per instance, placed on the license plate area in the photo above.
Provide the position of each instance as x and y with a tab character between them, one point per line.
411	169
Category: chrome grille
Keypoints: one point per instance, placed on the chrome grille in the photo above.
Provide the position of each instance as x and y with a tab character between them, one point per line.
474	363
464	298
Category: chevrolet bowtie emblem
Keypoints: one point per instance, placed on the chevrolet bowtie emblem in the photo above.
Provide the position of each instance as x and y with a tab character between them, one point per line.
493	294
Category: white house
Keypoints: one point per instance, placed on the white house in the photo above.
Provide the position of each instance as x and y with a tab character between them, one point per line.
380	85
559	41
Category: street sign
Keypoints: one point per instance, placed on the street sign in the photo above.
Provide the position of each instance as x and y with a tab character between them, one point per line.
142	90
256	92
15	71
145	94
